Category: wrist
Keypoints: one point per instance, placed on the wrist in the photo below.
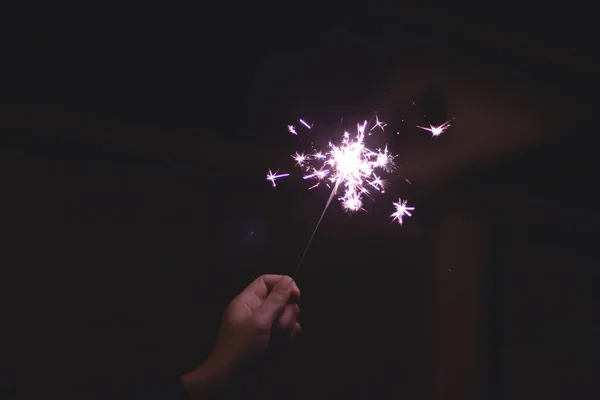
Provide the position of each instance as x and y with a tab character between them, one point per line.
207	379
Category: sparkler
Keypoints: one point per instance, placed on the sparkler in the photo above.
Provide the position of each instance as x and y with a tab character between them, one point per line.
352	167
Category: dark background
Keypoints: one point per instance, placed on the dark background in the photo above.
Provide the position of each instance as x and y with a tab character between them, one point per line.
134	147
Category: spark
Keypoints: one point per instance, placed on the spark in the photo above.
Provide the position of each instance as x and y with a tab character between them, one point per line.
436	130
273	176
401	210
300	159
378	183
305	124
292	130
319	174
378	124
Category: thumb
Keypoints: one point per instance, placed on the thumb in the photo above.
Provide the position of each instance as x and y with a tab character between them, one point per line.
276	301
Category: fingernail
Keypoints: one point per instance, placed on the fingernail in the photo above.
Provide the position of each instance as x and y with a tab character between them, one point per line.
286	282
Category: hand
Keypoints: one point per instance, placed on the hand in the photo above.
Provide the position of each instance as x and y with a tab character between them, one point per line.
246	329
250	317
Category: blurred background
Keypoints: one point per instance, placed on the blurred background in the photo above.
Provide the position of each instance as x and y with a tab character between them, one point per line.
134	148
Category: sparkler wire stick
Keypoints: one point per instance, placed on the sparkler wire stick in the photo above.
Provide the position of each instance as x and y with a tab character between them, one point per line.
333	192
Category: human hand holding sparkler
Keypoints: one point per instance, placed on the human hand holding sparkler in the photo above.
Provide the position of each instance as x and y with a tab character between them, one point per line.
246	330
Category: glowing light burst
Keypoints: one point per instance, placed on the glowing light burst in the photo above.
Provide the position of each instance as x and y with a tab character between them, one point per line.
436	130
349	165
352	168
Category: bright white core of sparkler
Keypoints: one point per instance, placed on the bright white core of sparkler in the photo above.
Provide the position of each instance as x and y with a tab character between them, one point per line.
349	165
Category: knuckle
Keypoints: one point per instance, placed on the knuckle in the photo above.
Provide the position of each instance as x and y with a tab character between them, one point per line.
256	320
261	322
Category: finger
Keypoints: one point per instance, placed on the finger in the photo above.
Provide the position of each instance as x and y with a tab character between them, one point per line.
287	319
277	299
264	284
